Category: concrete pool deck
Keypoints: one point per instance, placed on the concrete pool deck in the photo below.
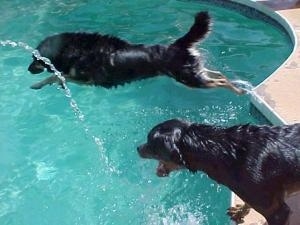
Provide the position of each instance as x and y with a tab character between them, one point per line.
278	99
278	95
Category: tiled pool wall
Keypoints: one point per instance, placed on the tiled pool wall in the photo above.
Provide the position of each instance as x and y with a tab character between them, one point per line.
254	10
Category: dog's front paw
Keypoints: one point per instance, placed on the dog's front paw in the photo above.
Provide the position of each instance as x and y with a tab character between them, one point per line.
238	212
36	86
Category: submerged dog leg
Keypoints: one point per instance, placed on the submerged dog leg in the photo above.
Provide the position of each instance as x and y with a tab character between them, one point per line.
49	80
217	79
238	212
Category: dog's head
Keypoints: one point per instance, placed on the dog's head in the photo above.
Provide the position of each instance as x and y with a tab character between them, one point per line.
162	146
48	48
37	66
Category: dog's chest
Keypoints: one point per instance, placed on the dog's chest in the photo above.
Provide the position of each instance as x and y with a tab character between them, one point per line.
292	200
194	52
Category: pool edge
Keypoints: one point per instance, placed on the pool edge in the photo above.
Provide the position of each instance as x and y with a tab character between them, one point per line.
273	97
266	104
258	99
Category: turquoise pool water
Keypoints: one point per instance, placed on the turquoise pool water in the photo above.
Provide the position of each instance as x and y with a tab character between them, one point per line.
56	169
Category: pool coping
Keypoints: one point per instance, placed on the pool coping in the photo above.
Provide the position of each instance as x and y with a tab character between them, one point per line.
269	97
277	95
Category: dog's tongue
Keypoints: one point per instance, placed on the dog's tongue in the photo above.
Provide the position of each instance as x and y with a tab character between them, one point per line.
161	171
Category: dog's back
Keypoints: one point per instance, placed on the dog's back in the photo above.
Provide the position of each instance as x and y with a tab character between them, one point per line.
247	149
81	42
65	49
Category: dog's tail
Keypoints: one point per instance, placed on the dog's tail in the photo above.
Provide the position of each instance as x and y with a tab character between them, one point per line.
198	31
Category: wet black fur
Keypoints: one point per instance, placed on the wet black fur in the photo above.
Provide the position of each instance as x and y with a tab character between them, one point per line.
258	163
96	59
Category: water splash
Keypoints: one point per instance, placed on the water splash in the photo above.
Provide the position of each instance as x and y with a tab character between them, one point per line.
245	85
176	215
78	113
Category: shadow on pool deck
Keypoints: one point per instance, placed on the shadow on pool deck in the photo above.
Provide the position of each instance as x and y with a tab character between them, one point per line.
280	96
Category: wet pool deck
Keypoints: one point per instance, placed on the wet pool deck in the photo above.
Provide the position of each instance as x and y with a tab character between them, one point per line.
278	98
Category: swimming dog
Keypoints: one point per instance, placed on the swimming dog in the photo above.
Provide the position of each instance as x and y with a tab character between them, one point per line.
108	61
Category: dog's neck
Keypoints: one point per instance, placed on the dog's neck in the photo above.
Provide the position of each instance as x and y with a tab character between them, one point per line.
211	153
213	168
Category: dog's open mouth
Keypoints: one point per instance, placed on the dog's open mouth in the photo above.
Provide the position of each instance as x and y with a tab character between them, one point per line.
164	168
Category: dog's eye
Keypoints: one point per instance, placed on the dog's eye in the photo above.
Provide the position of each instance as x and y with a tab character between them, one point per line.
156	134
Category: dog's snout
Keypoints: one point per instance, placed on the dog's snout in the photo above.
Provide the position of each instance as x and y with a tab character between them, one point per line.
140	149
144	151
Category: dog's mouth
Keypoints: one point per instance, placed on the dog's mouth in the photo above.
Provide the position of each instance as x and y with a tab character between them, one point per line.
144	152
165	168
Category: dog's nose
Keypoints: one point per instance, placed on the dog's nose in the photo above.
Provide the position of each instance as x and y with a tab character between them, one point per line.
140	149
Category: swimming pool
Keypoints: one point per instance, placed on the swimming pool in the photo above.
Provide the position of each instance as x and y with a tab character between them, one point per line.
56	169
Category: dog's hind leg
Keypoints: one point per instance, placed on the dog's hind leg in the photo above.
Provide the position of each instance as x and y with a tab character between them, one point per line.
217	79
49	80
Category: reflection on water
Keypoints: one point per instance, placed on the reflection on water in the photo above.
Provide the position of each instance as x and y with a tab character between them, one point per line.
44	171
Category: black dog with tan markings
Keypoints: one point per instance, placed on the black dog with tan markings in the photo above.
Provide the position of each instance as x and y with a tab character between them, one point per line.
261	164
107	61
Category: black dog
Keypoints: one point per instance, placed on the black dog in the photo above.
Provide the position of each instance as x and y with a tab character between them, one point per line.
108	61
261	164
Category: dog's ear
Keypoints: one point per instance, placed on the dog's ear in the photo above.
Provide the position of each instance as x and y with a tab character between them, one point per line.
171	141
171	138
